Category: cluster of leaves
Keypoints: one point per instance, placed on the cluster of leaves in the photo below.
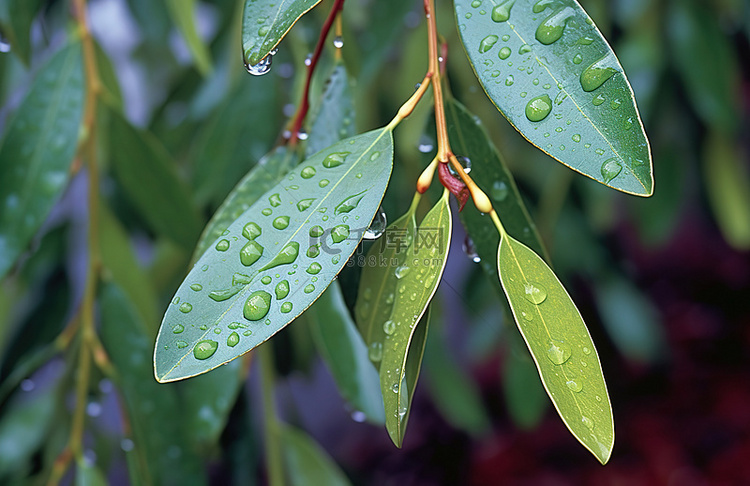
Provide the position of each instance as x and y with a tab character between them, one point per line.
283	232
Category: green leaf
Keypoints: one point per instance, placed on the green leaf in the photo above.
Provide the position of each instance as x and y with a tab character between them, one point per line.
552	74
306	462
16	17
345	353
523	392
183	15
149	177
276	259
405	330
470	139
333	118
266	22
560	344
728	188
37	151
156	413
266	174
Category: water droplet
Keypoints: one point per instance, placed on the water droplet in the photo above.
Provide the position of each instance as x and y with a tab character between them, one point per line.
4	44
523	50
598	72
178	329
185	307
250	253
308	172
340	233
577	59
501	13
266	280
574	386
262	67
537	109
499	191
587	422
288	254
267	212
196	287
426	145
476	3
552	28
286	307
222	295
181	344
323	182
558	352
281	222
389	327
509	80
615	104
222	245
257	305
576	138
205	349
610	169
309	288
251	231
375	352
471	250
282	289
316	231
305	204
487	43
377	226
313	251
349	203
586	350
274	200
402	271
335	159
338	42
233	339
314	268
541	5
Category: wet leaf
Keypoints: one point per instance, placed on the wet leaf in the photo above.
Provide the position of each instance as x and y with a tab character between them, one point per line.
276	259
267	173
183	14
306	462
524	394
16	17
560	344
406	330
266	22
37	151
728	188
552	74
149	177
345	353
333	118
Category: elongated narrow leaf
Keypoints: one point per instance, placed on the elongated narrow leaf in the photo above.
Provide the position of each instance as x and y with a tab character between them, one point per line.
552	74
469	139
37	151
150	179
183	15
306	462
345	353
266	22
15	23
333	118
267	173
403	346
560	344
377	284
276	259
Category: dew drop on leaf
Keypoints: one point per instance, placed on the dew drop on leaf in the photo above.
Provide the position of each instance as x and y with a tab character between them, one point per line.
574	386
281	223
551	29
257	305
501	13
233	339
185	307
487	43
375	352
205	349
534	293
389	327
286	307
558	352
251	231
335	159
250	253
504	53
537	109
598	72
610	169
377	226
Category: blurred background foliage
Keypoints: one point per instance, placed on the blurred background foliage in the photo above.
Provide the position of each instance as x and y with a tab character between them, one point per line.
663	283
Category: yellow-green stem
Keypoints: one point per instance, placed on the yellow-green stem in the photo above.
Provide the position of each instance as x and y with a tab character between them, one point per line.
271	425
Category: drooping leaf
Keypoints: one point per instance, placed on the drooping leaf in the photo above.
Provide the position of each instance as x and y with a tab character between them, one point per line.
155	412
552	74
728	188
276	259
523	392
306	462
37	151
266	22
183	15
345	353
16	17
333	118
560	344
378	281
267	173
406	330
469	139
149	177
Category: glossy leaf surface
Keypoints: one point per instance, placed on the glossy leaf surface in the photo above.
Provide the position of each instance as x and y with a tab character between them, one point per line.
183	14
149	177
560	344
306	462
267	173
405	330
524	395
333	118
266	22
345	353
37	150
276	259
552	74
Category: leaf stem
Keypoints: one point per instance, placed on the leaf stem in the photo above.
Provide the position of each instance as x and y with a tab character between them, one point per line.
304	106
444	147
408	107
271	425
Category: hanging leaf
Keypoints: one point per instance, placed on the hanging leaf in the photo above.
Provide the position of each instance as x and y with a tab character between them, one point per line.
306	462
16	17
266	22
183	15
524	395
37	151
333	118
560	344
552	74
345	353
267	173
276	259
417	280
149	177
378	281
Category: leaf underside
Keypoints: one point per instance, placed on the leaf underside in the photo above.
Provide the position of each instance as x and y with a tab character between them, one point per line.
551	73
276	259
